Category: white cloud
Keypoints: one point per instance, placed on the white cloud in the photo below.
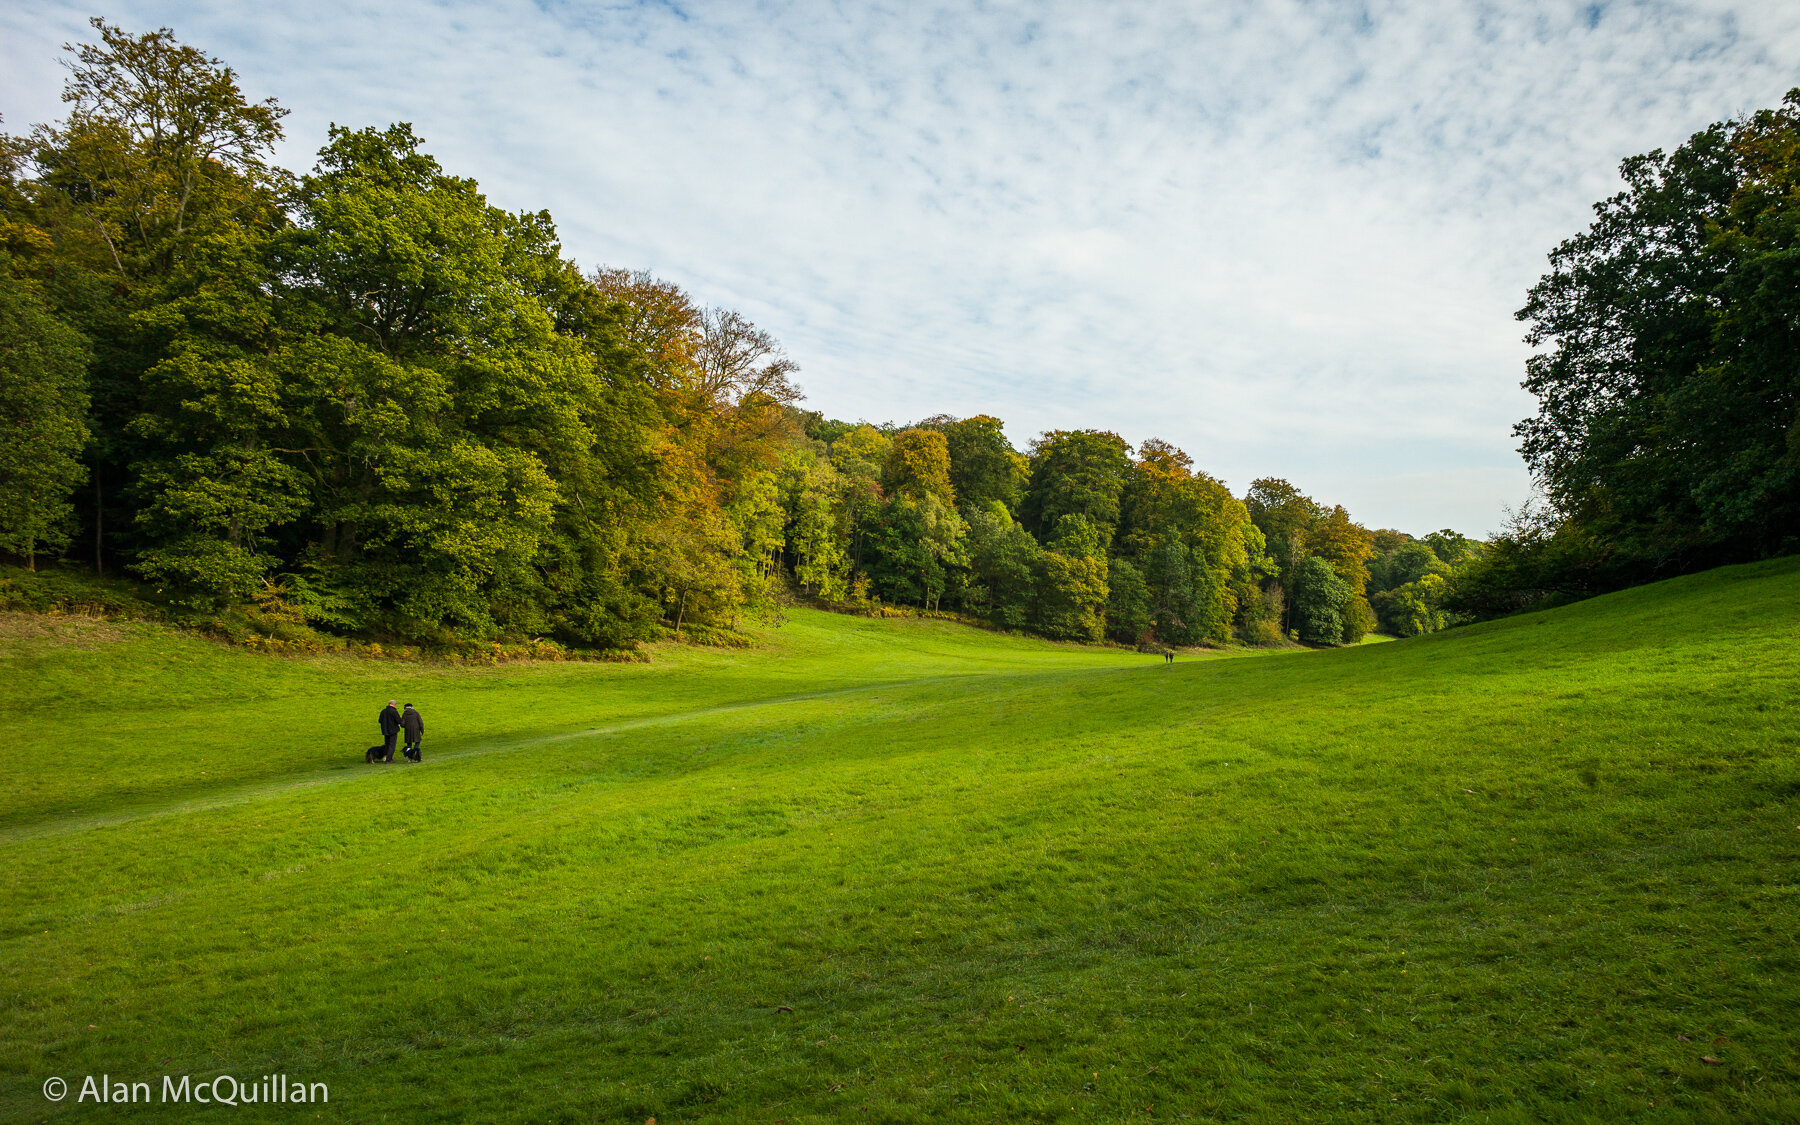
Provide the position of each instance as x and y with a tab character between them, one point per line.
1288	237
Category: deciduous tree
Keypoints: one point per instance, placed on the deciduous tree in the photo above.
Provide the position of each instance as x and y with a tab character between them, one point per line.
1075	472
43	420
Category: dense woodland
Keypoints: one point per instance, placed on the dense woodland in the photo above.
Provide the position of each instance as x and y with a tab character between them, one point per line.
363	401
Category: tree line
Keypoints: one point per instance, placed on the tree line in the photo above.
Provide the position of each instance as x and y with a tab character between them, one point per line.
367	399
1667	437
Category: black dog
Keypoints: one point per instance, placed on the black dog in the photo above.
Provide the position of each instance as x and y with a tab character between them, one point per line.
375	754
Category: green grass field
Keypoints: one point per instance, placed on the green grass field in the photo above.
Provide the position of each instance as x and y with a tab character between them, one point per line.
1541	869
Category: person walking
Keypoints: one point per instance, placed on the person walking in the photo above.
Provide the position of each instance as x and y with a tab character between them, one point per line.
413	724
390	729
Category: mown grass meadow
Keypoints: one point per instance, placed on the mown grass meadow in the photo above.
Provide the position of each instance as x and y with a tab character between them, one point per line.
1540	869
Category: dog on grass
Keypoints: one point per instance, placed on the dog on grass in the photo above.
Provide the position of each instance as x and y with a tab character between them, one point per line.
375	754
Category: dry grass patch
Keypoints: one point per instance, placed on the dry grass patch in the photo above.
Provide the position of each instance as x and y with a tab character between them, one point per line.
64	629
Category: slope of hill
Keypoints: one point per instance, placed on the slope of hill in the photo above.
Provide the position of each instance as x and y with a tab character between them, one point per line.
1537	869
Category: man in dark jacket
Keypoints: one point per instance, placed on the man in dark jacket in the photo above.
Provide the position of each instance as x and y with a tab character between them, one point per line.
390	729
414	725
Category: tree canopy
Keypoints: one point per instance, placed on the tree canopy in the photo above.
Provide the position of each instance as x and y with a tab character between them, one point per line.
1667	436
365	400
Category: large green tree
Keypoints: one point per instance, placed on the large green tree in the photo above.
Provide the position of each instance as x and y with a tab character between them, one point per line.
1668	388
1179	604
1166	502
448	429
1072	589
917	551
156	189
1004	561
1285	516
1075	473
1128	614
43	420
1322	602
984	467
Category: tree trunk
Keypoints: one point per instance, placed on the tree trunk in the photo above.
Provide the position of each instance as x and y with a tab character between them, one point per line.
99	513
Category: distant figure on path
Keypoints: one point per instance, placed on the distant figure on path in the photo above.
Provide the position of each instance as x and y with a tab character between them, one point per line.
390	729
1168	656
414	725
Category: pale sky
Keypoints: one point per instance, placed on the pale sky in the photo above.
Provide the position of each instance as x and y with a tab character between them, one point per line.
1287	237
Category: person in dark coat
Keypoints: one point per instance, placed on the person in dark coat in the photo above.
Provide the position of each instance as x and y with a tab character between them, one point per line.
413	724
390	729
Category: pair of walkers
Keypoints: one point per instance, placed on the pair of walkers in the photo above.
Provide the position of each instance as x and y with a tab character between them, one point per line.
393	722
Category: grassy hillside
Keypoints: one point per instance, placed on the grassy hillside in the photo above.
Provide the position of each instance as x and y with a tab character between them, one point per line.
1539	869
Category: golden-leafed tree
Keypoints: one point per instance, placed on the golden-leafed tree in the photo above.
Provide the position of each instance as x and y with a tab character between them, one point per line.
725	391
918	465
1345	544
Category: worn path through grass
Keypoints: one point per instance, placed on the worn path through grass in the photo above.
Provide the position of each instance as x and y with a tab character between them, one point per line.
145	717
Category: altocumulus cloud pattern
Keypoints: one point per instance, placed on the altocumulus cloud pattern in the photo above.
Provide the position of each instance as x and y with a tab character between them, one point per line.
1287	237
